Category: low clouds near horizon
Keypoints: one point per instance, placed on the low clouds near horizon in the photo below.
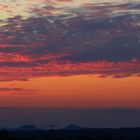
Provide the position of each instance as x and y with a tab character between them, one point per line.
19	91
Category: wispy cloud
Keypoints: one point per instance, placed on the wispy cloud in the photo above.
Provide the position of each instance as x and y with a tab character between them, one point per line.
20	91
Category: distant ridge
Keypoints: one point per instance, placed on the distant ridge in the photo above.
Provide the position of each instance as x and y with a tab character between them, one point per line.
28	128
72	127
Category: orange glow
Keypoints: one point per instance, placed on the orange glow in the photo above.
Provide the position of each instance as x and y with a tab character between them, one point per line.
69	53
75	92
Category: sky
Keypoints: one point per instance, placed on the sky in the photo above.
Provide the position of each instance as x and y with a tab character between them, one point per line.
70	54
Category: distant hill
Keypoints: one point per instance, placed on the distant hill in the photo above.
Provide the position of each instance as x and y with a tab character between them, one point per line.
72	127
28	128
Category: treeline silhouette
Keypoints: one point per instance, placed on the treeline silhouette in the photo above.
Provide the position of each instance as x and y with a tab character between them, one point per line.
83	134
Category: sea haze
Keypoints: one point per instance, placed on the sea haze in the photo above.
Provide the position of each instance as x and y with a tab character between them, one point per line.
97	118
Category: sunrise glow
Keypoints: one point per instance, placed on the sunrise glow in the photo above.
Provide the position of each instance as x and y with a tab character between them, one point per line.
70	53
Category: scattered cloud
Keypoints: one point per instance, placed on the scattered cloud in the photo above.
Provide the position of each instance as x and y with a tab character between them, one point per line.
100	39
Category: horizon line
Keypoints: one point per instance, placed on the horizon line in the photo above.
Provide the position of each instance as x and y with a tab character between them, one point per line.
77	108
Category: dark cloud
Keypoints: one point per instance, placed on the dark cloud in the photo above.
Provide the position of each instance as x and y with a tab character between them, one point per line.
93	39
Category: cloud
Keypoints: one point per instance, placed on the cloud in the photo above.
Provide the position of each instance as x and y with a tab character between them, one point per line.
92	39
20	91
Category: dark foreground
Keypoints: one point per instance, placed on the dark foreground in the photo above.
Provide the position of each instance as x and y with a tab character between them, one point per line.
83	134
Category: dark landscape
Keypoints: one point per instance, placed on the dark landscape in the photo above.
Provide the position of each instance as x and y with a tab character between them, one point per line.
81	134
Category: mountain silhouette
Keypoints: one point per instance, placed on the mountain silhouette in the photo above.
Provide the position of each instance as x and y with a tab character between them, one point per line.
72	127
28	128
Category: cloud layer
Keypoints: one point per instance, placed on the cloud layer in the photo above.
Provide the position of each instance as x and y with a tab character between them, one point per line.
86	38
